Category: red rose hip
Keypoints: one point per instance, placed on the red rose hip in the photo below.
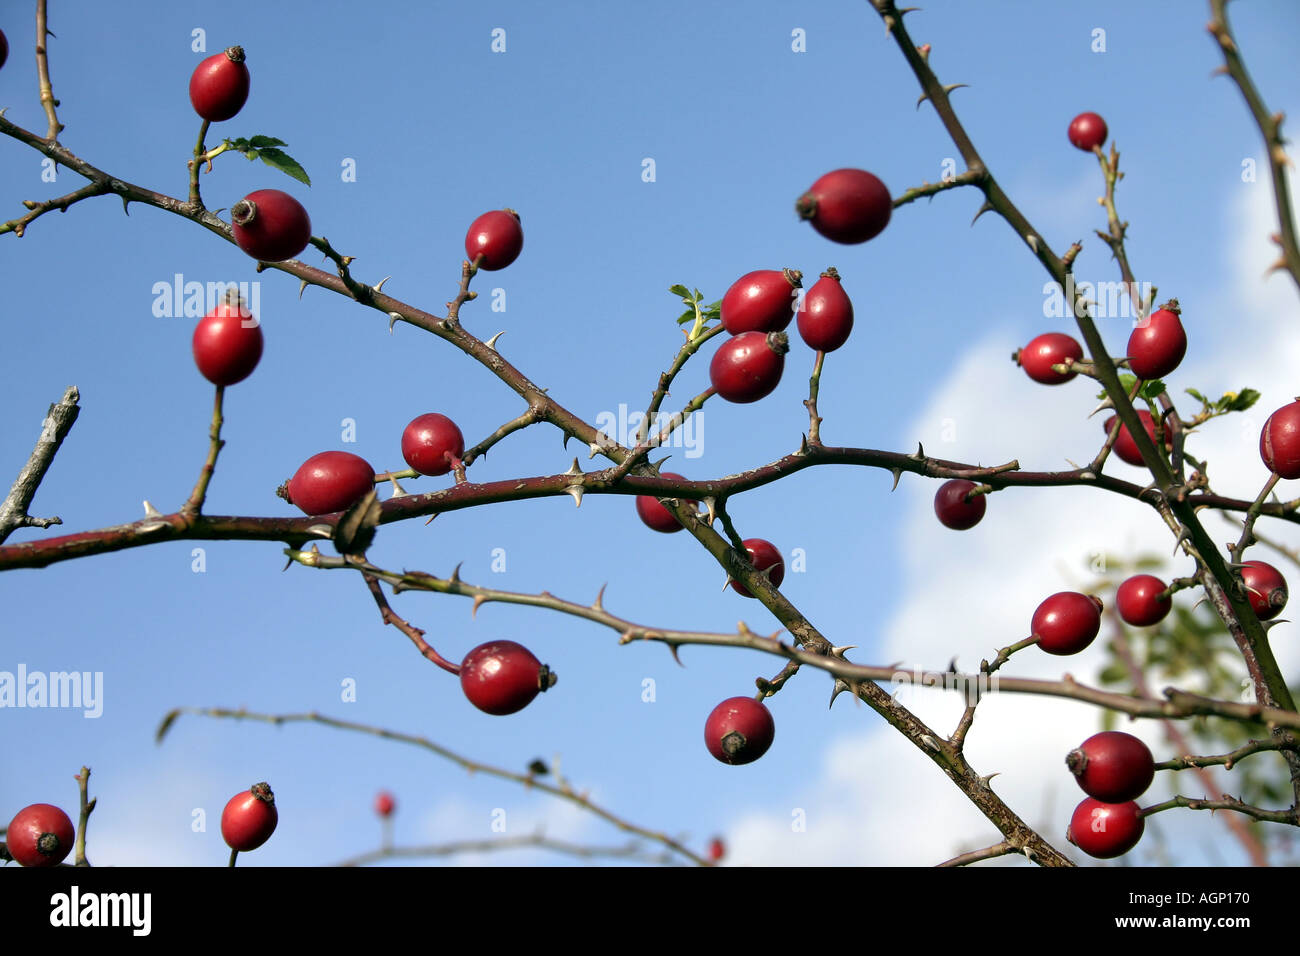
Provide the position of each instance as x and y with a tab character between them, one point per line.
1087	131
761	301
385	804
1066	622
270	225
40	835
1157	345
249	818
432	444
1279	441
1113	767
1139	603
827	315
330	481
4	48
227	343
1126	447
739	730
654	514
502	677
497	236
847	206
1046	350
1266	589
219	85
764	556
1105	830
956	507
748	366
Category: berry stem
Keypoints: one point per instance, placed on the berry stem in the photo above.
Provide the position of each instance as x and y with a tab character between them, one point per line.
414	633
194	506
196	197
234	854
814	387
48	102
1248	525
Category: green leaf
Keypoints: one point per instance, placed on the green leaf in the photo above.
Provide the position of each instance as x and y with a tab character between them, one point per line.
680	290
278	159
1245	398
261	142
687	316
1153	389
1115	673
1197	395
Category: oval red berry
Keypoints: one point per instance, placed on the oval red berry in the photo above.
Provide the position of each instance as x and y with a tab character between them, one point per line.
1046	350
331	481
270	225
761	301
227	344
497	236
847	205
219	85
826	319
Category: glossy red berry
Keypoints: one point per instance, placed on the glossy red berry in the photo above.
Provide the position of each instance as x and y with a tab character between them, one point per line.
497	236
270	225
249	818
385	804
717	849
748	366
1066	622
761	301
1279	441
432	444
331	481
1087	130
1139	603
219	85
764	556
1113	767
1126	447
1046	350
654	514
739	730
847	205
1265	587
1157	346
227	344
40	835
826	318
4	48
1105	830
956	507
502	677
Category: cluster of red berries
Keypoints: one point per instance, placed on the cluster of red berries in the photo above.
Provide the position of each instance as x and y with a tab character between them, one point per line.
1113	769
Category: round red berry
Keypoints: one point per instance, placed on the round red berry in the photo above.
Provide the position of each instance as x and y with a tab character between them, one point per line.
1105	830
1113	767
219	85
227	344
847	205
1279	441
249	818
739	730
385	804
956	507
654	514
497	236
4	48
1139	600
502	677
432	444
330	481
826	318
1087	131
764	556
1046	350
1126	447
1157	345
40	835
761	301
1066	622
748	366
717	849
270	225
1265	587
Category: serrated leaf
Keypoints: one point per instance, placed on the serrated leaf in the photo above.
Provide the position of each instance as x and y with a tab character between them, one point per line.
278	159
1245	398
1197	395
687	316
263	141
1153	389
680	290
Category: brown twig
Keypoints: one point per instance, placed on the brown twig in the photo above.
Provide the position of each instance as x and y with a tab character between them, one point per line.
58	422
630	851
48	102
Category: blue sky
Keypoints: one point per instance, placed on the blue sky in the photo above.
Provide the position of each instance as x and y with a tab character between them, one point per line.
440	128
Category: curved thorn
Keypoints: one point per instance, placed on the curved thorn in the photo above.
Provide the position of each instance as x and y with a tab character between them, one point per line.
455	574
492	342
955	86
839	688
576	492
393	318
924	97
598	604
673	648
841	651
898	473
478	599
379	286
302	287
150	511
986	207
574	469
1105	404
